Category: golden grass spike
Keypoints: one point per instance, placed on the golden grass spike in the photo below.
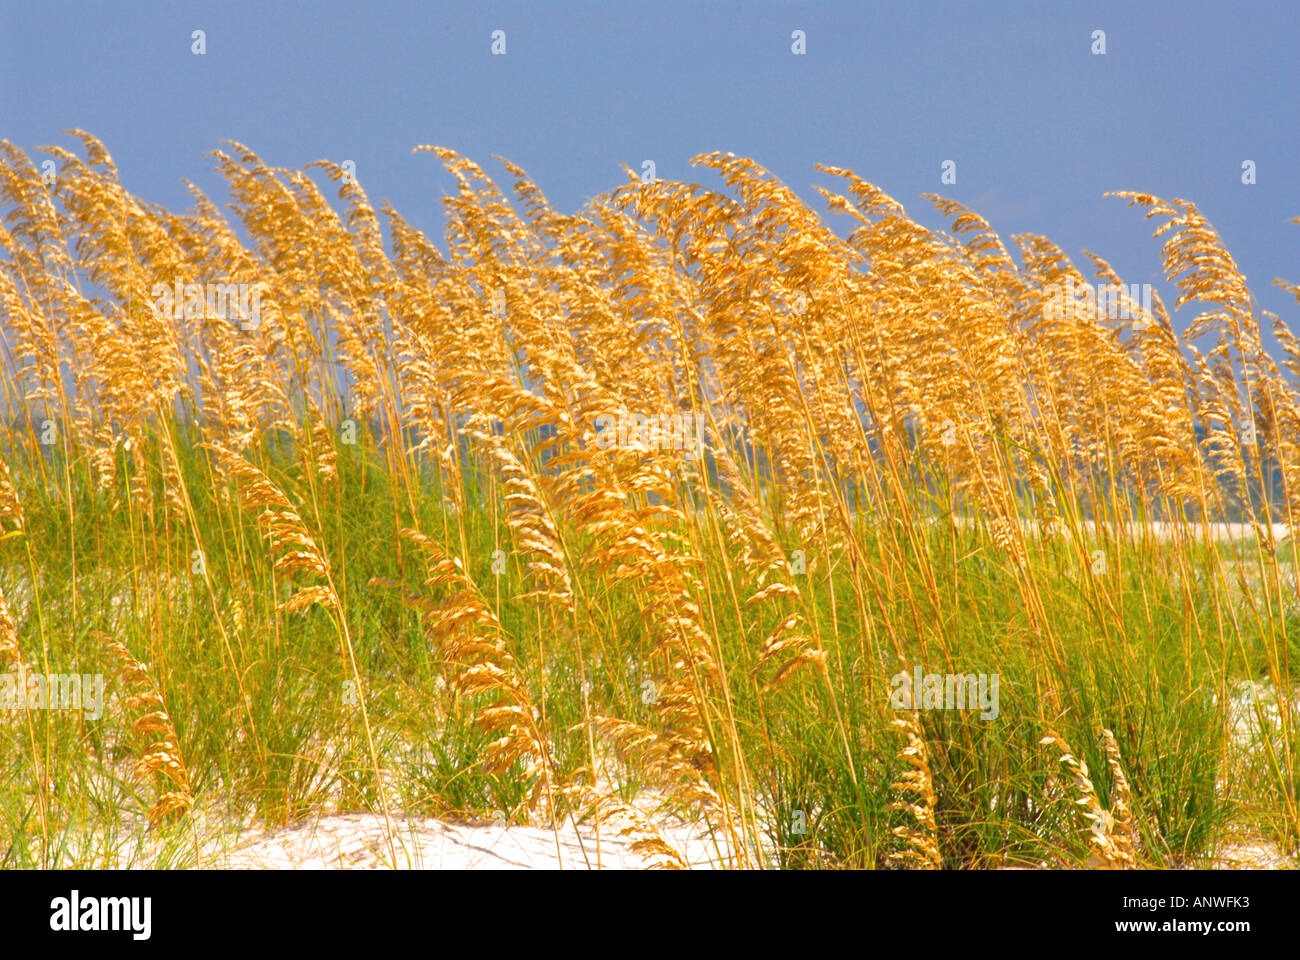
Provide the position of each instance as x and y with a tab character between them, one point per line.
922	840
11	656
162	760
1111	839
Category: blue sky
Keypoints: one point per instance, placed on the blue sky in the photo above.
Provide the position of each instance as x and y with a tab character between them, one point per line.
1038	126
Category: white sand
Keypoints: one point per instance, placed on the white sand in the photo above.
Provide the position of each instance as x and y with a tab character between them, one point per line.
357	841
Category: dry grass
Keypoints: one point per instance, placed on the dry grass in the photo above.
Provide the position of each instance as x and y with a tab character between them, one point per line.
395	480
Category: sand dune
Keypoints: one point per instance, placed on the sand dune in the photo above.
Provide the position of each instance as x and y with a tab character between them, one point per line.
357	841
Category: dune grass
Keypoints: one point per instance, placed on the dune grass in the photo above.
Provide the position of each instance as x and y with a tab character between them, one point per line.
374	548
